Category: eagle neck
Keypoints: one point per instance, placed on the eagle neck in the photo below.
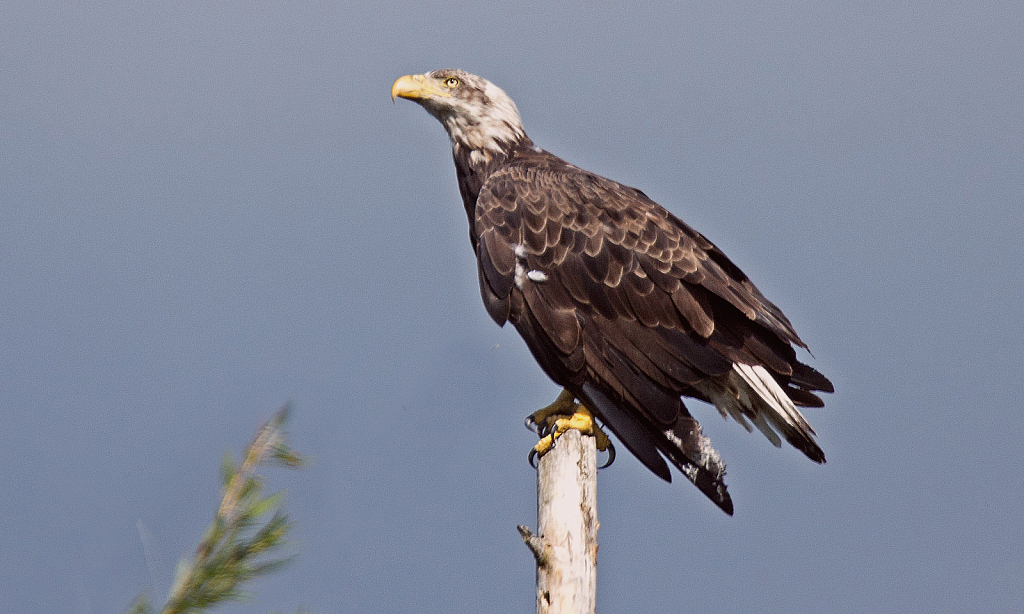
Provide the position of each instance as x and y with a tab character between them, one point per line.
474	166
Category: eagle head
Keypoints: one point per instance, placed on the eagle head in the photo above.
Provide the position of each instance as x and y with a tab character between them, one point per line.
477	114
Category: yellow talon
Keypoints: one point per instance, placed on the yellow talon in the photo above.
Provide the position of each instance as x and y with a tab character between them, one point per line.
564	414
543	418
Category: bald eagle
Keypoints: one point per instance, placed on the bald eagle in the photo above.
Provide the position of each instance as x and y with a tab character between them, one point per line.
622	303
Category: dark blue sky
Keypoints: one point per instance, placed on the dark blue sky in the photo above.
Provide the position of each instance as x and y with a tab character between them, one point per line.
208	209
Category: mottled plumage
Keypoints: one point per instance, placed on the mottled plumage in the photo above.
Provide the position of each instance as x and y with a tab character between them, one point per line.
620	302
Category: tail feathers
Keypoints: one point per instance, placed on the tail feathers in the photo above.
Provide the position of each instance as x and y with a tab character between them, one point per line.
808	378
628	428
766	403
691	452
762	425
804	398
684	445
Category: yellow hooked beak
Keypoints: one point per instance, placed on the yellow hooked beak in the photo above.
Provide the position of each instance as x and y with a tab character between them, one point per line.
417	87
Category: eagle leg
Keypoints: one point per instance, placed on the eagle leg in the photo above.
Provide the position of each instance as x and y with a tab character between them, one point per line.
564	414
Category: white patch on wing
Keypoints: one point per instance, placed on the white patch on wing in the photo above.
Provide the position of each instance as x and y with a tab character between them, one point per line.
523	273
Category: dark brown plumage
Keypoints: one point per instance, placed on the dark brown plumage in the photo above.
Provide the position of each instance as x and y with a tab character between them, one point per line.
619	301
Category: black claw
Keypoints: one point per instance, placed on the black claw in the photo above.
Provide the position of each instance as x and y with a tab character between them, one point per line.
533	452
611	456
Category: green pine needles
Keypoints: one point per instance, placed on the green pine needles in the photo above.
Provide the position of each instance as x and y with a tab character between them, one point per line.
246	535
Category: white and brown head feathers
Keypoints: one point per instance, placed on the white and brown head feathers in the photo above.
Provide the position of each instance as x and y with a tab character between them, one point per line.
478	115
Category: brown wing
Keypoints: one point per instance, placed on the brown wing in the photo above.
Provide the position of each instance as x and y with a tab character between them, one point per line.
629	308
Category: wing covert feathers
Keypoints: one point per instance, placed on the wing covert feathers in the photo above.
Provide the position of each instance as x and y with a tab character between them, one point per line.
629	308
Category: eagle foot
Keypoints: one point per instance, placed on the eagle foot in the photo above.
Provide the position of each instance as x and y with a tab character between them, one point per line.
563	414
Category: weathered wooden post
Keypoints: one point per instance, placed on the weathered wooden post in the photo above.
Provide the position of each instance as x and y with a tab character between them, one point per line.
565	545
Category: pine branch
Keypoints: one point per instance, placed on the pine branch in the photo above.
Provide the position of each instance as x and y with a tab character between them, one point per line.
241	543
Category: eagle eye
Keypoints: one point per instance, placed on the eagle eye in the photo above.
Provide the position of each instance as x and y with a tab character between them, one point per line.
452	82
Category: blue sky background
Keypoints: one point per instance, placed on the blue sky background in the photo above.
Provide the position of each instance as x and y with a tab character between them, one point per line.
208	209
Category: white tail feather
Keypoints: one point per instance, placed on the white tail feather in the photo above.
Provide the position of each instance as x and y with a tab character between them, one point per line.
769	391
762	425
731	407
750	395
